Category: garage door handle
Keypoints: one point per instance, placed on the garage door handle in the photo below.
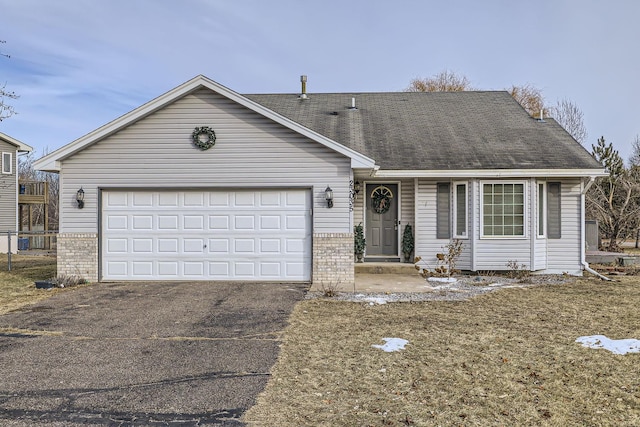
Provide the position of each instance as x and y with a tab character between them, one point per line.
204	247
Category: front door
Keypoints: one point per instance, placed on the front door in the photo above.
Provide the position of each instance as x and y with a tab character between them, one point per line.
382	220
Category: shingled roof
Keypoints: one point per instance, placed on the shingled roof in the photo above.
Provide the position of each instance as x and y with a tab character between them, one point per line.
436	131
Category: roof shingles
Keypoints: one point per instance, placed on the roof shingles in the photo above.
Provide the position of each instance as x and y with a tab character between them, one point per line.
436	130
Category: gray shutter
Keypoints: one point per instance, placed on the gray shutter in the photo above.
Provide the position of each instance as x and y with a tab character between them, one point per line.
554	215
443	214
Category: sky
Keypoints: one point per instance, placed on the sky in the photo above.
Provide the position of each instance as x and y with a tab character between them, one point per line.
78	64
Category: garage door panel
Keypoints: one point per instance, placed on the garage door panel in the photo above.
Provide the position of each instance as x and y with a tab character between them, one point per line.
220	246
220	269
142	245
117	222
142	222
193	222
296	222
117	199
142	268
168	245
295	269
244	199
244	222
193	245
270	269
168	200
193	199
117	269
270	199
270	246
270	222
116	245
244	269
194	268
167	269
141	199
206	235
219	222
168	222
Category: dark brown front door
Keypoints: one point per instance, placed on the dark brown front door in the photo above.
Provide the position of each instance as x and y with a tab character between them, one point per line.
382	220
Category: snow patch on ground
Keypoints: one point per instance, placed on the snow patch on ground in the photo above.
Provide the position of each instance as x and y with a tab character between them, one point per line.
442	279
391	344
614	346
372	300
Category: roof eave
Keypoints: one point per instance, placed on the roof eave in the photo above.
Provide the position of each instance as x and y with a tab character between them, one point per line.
492	173
20	146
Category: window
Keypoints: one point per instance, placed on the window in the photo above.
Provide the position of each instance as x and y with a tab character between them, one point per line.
7	163
443	210
460	205
554	214
542	209
503	210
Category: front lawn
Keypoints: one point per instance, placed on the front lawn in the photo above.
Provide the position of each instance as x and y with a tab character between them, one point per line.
506	358
17	286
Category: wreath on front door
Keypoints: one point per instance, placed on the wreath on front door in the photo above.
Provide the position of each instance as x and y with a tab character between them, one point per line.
381	199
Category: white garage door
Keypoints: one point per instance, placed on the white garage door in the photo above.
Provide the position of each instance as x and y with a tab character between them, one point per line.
206	235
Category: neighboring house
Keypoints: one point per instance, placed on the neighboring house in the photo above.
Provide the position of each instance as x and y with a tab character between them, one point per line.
9	150
467	165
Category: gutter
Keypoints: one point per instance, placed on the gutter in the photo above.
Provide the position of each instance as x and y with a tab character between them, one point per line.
583	242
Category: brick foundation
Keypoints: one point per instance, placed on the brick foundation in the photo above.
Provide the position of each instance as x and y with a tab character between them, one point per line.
333	261
78	255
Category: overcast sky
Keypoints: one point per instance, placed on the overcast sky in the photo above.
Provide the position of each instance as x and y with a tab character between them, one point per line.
78	64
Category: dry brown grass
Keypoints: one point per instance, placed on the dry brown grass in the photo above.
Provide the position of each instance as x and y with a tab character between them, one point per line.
508	358
17	287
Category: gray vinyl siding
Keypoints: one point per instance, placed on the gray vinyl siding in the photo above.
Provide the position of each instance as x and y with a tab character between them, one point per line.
250	151
563	255
8	192
407	207
427	243
541	254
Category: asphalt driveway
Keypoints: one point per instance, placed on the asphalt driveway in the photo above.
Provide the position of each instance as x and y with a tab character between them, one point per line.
145	354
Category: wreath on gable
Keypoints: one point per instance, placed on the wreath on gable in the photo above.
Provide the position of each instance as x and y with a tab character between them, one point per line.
203	137
381	200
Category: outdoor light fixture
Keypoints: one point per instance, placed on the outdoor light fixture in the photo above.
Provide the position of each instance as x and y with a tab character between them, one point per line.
328	195
80	198
356	187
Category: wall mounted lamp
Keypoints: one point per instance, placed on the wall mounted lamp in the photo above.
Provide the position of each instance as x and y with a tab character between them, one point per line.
356	187
80	198
328	195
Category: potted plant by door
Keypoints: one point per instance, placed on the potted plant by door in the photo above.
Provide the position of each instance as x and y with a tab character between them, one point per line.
407	242
359	242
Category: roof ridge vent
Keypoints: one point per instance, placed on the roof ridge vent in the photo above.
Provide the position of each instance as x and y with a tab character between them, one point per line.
303	81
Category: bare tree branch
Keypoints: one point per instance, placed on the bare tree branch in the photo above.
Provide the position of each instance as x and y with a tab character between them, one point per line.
571	118
445	81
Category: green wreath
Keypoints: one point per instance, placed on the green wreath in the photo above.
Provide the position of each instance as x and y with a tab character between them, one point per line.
381	200
203	137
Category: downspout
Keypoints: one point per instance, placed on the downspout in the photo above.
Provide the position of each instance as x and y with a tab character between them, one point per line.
583	243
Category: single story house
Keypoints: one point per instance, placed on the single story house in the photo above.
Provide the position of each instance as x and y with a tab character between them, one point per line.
203	183
9	149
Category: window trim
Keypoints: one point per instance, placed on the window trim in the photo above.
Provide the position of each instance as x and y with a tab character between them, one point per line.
541	229
10	172
456	234
525	227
